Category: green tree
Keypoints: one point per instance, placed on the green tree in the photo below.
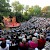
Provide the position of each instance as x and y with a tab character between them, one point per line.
46	11
1	19
31	11
37	10
4	7
19	17
17	7
26	16
21	12
26	8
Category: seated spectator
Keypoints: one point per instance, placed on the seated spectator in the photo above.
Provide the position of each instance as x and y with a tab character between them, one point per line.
36	34
41	42
3	46
8	42
34	43
13	45
23	45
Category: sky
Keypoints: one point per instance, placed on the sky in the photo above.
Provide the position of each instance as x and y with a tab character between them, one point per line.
41	3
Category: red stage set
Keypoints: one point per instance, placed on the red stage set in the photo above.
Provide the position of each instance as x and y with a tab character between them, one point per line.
9	23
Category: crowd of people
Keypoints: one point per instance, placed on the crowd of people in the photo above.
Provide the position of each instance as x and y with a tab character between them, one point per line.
30	35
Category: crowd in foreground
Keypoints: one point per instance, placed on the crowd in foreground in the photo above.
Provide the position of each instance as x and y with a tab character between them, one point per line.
22	41
31	35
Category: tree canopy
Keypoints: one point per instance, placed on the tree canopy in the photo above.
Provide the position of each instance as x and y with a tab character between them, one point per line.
17	7
22	12
4	7
46	11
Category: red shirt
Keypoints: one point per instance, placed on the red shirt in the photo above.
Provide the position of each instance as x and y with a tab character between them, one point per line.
41	43
23	45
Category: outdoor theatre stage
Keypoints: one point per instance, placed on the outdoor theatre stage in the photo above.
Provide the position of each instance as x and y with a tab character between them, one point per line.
10	24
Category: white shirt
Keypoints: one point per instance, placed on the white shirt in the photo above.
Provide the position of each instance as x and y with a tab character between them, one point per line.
35	34
8	43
